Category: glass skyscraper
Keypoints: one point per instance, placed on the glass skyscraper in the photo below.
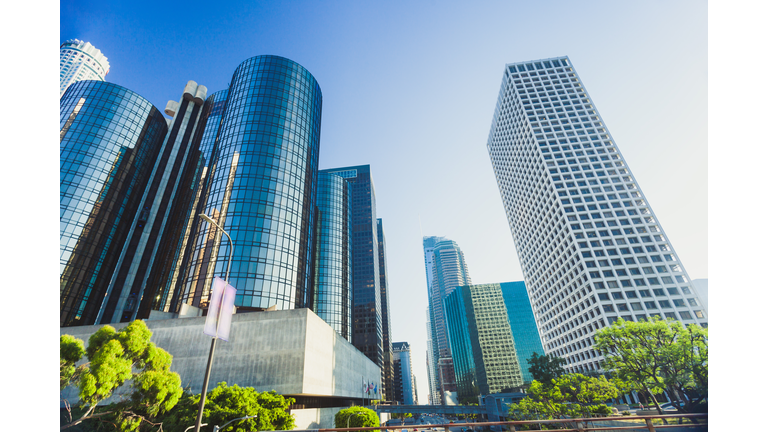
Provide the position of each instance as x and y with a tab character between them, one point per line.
79	61
367	325
404	389
484	354
110	138
522	323
590	246
446	269
262	189
332	300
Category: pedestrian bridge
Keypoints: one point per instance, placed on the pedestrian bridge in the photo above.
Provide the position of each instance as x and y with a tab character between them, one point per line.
430	409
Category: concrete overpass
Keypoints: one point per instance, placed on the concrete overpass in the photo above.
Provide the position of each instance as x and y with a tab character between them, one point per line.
430	409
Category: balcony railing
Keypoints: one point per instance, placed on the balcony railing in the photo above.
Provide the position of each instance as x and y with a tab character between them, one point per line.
692	422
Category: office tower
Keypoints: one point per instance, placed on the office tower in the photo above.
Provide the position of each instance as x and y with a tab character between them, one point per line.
387	372
522	323
446	270
483	347
403	388
590	246
701	288
110	138
80	61
332	297
366	311
178	256
434	397
262	190
145	259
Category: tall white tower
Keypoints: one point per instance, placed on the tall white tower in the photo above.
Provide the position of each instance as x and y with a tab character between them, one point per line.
590	246
80	61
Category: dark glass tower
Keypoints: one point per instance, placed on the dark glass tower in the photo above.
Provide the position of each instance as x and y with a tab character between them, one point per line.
110	139
387	373
332	299
158	227
262	190
367	323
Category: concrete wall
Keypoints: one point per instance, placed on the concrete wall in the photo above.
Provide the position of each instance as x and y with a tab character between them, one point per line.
293	352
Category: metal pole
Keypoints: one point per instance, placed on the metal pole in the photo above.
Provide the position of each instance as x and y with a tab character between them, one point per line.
213	341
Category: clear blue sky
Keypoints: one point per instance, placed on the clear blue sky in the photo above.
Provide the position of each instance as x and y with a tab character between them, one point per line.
410	88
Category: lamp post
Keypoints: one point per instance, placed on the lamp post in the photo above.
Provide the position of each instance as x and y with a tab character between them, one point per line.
218	428
213	341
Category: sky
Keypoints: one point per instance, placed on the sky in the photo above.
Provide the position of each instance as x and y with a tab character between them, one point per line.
410	88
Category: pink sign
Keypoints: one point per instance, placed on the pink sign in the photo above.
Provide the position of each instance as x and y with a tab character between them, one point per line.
221	304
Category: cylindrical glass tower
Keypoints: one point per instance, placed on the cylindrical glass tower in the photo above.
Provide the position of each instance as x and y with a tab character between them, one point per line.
110	137
332	300
262	190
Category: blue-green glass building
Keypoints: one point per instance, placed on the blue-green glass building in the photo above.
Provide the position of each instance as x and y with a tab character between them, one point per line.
110	138
332	297
492	333
262	189
522	323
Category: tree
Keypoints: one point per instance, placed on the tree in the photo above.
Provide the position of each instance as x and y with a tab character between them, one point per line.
357	416
112	358
657	355
545	368
567	396
225	403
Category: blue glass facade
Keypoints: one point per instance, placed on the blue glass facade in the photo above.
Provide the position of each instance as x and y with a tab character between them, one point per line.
461	345
404	391
523	324
262	190
109	140
367	325
484	350
332	299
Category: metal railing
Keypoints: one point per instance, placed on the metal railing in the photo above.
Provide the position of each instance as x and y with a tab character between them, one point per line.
644	422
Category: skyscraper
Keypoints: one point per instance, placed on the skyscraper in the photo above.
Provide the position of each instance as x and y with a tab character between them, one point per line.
404	389
80	61
367	325
590	246
332	297
110	140
483	347
522	323
262	189
446	269
387	372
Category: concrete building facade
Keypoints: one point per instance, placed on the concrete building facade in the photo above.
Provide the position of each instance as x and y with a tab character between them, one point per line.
293	352
79	61
590	246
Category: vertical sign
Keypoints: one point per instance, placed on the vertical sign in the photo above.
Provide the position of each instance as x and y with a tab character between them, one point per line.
220	307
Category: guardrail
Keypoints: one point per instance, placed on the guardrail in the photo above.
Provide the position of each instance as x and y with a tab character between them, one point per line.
578	424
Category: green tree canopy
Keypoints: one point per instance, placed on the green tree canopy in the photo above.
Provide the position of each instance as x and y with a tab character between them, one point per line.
656	355
357	416
113	358
225	403
545	368
567	396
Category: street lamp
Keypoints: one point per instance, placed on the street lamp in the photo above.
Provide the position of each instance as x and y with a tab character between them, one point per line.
213	341
204	424
218	428
352	415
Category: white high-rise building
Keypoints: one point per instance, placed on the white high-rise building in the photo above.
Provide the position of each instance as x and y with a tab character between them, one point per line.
590	246
80	61
446	269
